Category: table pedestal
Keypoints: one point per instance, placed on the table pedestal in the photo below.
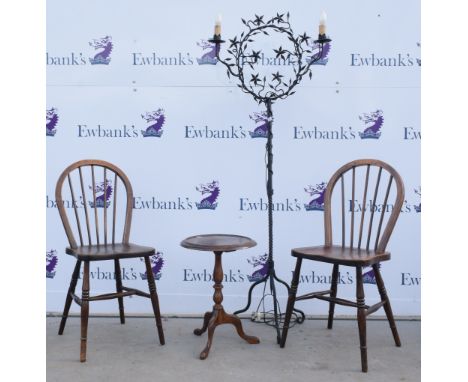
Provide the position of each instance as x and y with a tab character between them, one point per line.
218	316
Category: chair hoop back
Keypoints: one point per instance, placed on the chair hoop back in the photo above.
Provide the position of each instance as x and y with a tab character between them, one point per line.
106	201
394	180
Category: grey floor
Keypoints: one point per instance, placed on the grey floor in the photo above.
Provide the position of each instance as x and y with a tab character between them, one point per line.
131	352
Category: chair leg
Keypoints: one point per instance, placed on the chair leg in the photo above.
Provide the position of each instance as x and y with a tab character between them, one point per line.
334	287
118	284
69	299
154	299
387	306
84	311
291	301
361	317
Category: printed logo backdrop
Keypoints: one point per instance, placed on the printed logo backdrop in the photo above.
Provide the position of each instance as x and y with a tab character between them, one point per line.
142	89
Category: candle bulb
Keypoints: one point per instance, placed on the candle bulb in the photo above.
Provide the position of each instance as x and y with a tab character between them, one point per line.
323	24
217	31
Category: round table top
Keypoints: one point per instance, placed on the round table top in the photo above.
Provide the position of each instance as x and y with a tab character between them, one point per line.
218	242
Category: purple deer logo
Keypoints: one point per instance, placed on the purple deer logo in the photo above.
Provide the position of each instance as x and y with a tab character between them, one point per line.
318	194
263	122
417	208
51	121
208	58
209	202
156	120
157	263
260	273
102	57
375	121
51	263
369	276
315	53
103	192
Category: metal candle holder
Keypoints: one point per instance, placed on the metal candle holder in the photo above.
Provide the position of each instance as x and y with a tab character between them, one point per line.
267	92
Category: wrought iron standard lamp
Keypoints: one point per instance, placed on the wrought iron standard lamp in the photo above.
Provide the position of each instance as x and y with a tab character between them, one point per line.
267	91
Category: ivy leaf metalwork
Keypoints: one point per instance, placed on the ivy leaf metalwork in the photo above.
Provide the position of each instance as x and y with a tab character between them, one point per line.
255	79
233	41
258	20
277	76
280	52
298	55
256	55
304	38
279	18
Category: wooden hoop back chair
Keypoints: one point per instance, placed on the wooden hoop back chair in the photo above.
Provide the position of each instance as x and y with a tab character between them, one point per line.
99	242
359	252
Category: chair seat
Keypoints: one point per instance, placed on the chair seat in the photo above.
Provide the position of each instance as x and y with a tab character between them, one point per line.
109	251
341	255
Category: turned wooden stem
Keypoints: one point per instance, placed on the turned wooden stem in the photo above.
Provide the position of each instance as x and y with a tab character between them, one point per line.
218	279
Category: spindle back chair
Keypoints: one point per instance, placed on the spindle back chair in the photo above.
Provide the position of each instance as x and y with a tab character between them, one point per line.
363	244
111	175
380	237
98	239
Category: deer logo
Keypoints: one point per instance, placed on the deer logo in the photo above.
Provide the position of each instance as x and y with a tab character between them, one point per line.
209	57
51	121
103	192
156	121
210	201
374	122
262	262
318	197
157	263
51	263
262	122
369	276
103	56
315	47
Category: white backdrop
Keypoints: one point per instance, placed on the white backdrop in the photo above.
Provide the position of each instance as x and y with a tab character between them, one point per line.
95	111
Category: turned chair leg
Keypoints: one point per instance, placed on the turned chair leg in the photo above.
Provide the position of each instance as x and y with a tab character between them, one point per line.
154	299
387	306
334	287
68	299
84	311
291	300
361	317
118	284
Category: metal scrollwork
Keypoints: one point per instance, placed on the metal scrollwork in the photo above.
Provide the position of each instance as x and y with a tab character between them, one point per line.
264	89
